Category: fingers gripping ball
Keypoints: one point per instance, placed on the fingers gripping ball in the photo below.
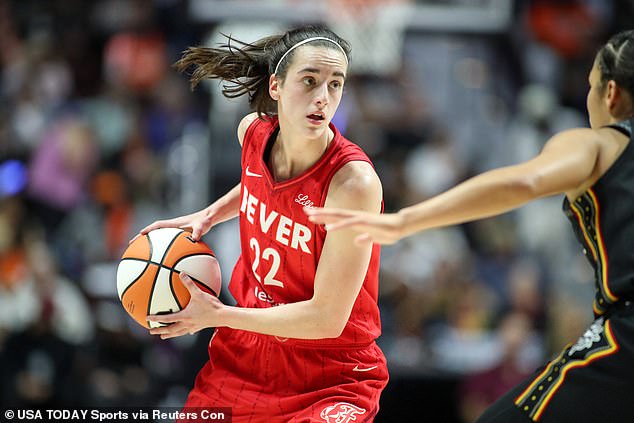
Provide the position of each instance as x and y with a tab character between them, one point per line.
148	274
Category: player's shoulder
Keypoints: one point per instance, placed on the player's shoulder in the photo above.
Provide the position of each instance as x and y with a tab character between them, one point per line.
578	138
590	140
244	125
355	185
587	134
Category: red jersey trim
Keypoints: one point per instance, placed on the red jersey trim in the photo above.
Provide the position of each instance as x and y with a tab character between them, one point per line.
336	141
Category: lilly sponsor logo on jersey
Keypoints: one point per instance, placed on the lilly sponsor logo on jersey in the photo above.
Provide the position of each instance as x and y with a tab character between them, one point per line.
341	412
303	200
286	231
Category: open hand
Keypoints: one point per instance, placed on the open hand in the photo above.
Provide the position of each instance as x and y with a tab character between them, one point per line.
377	228
200	313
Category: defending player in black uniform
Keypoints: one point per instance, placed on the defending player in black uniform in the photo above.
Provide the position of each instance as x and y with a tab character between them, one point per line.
593	379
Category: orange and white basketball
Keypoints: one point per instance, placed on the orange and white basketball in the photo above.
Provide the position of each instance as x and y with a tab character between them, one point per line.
148	274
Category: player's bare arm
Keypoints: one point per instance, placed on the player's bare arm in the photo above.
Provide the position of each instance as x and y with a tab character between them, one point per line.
342	267
566	163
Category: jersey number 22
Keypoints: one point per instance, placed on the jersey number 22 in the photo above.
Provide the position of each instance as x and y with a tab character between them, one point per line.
269	255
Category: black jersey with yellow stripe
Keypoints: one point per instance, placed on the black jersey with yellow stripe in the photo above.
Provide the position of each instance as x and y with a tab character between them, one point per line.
603	221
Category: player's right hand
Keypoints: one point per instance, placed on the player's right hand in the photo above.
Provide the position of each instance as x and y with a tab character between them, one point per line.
198	224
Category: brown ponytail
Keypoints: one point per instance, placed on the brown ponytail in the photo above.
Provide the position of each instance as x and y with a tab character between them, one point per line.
243	67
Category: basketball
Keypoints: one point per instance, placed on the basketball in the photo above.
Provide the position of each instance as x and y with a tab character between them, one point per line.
148	279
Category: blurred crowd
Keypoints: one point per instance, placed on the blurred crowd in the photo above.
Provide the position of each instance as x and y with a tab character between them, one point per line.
99	137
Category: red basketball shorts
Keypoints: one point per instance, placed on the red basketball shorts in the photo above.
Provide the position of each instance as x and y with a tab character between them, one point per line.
263	379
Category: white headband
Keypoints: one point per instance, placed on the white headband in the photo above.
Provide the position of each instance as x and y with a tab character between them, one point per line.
308	40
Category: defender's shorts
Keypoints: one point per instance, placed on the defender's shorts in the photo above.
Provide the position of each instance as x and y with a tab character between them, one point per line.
266	379
590	381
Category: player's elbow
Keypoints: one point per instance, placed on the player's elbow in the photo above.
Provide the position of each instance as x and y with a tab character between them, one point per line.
329	316
333	329
332	325
529	186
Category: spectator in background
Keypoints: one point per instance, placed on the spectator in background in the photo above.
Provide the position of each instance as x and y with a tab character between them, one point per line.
480	389
61	168
44	317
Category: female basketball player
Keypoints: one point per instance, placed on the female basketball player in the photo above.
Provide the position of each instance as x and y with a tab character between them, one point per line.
592	380
299	345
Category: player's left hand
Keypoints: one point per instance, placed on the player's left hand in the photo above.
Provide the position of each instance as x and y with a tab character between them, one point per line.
200	313
373	227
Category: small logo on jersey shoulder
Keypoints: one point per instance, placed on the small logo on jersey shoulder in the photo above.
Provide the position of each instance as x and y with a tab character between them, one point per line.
363	369
249	173
592	336
341	412
303	200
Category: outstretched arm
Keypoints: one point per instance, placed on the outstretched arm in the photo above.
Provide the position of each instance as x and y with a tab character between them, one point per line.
565	163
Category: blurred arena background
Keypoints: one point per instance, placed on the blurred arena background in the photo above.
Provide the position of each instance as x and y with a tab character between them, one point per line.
99	136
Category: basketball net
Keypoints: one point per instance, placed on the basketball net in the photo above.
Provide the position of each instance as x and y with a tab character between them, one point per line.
374	28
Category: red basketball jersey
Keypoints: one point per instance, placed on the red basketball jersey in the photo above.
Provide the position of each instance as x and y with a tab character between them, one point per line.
281	247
